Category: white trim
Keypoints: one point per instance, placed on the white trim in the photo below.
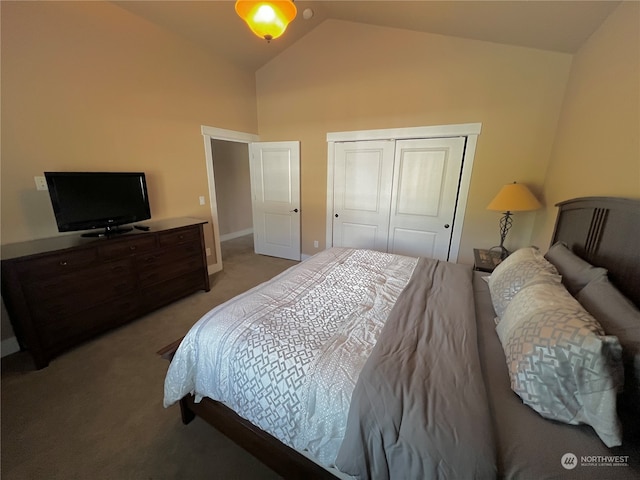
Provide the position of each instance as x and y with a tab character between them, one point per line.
468	130
463	195
454	130
230	135
9	346
208	134
232	235
330	172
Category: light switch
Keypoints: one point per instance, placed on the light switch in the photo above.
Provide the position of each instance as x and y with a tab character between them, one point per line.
201	200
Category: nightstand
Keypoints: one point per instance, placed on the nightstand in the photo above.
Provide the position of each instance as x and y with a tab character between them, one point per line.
485	260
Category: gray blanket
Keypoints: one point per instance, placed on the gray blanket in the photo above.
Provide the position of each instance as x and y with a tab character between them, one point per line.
419	409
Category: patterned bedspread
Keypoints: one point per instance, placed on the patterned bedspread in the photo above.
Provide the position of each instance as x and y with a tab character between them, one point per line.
286	355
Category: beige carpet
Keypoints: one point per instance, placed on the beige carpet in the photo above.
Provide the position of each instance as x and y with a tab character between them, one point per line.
96	412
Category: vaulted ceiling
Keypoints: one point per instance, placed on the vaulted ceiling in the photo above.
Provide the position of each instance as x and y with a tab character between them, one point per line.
557	25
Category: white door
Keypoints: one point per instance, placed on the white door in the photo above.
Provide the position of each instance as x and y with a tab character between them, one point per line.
362	194
425	188
275	190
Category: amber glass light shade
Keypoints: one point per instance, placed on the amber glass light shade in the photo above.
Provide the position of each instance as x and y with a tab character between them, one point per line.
267	19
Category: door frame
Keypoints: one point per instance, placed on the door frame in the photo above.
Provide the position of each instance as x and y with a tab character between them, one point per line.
468	130
209	134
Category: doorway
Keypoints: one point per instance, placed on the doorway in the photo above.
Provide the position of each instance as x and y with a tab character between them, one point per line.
273	169
211	134
233	189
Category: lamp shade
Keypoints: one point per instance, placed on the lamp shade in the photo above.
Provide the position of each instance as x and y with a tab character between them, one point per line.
267	19
514	197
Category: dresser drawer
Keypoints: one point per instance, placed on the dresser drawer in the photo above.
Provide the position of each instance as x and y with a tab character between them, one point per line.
168	291
57	264
176	237
167	264
60	332
129	246
84	287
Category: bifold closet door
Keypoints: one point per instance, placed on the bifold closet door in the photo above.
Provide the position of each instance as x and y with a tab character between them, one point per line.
397	196
424	194
363	178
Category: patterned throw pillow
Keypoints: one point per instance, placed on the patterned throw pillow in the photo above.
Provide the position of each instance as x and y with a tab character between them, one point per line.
560	361
524	266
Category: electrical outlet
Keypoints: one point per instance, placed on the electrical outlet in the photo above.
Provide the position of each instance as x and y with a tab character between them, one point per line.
201	198
208	252
41	183
315	244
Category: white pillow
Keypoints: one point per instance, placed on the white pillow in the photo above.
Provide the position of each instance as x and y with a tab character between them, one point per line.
560	361
524	266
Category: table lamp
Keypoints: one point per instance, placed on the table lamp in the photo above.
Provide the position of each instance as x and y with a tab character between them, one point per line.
514	197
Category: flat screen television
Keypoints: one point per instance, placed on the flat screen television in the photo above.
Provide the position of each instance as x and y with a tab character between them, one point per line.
98	200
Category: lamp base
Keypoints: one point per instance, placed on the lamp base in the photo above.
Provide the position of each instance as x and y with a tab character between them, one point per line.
504	253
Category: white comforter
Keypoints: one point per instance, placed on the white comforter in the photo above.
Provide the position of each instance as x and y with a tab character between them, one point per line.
286	355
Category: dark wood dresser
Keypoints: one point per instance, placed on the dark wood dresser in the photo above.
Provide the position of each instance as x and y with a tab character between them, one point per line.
64	290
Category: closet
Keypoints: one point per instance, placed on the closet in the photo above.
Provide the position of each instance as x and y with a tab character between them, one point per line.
397	195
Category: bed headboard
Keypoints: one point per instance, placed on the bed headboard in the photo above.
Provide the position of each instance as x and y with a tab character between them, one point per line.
605	231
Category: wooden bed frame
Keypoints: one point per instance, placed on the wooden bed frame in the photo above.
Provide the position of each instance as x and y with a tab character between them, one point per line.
602	230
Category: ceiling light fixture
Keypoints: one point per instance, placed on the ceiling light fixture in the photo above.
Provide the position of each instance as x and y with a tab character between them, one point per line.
267	19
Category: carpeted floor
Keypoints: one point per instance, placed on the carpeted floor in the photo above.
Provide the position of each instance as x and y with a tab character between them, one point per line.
96	412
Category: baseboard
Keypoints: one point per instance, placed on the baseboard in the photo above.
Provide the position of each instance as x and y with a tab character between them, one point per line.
9	346
232	235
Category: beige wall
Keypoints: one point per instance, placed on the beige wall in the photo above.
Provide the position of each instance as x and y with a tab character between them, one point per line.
597	148
347	76
89	86
233	186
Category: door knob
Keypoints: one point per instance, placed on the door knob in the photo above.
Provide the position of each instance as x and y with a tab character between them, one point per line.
294	210
446	225
336	215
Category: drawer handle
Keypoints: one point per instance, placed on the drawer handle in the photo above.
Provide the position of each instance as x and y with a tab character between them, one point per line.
132	247
63	263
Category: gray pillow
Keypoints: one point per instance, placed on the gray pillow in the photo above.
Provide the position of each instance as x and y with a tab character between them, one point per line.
560	361
523	266
620	317
575	272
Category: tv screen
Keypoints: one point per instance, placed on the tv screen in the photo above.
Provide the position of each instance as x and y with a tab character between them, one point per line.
98	200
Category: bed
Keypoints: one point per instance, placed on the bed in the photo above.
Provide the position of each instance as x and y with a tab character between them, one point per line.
371	365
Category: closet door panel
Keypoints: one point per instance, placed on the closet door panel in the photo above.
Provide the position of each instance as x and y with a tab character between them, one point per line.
359	235
363	179
413	242
420	183
426	176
